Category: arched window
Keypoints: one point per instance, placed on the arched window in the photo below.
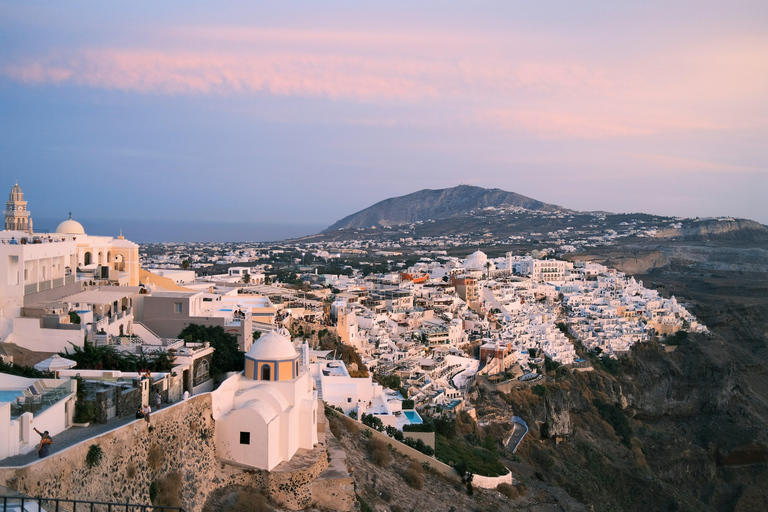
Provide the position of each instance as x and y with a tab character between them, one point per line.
109	256
87	258
266	372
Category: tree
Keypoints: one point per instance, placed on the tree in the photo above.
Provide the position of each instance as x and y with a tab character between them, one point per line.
226	356
185	264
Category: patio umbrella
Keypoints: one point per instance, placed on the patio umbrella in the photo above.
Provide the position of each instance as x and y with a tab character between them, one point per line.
55	363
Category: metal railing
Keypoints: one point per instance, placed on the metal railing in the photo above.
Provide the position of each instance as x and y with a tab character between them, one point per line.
28	504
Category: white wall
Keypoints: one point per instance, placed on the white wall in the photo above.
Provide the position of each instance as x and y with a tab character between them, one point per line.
27	333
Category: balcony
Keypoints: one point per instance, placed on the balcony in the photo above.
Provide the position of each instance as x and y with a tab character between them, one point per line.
48	284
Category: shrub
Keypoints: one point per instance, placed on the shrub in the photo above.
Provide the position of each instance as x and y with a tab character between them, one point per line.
372	421
616	418
399	436
419	427
385	495
367	433
390	430
408	404
85	412
539	390
249	500
510	491
463	457
335	425
94	456
168	490
155	457
379	451
414	475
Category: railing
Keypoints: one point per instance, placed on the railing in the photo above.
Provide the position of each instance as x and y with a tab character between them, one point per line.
59	281
30	288
25	503
44	285
70	279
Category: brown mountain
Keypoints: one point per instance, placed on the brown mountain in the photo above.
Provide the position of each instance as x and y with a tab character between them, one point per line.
436	204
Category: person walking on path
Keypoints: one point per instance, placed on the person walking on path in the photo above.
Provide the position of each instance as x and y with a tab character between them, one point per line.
146	409
45	443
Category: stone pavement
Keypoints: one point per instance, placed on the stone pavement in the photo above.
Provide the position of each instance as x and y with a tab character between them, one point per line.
71	437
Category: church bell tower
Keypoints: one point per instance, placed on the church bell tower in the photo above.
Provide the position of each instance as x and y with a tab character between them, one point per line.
16	214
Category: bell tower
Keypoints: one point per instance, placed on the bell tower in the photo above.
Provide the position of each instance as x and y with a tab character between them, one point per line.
16	214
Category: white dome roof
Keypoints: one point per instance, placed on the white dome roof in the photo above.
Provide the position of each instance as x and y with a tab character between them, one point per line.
478	256
70	227
271	346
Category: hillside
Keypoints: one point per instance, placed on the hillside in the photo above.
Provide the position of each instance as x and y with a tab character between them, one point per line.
436	204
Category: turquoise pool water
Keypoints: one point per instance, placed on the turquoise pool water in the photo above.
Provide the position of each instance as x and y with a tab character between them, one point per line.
9	395
412	416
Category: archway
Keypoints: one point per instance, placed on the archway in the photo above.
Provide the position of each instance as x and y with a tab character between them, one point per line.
266	372
87	258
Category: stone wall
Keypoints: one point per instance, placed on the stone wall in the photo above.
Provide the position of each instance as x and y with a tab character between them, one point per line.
128	402
181	442
427	437
413	453
133	458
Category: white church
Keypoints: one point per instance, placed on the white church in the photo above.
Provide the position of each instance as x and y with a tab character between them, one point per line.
265	414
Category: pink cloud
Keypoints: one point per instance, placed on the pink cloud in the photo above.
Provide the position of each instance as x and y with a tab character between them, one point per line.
496	81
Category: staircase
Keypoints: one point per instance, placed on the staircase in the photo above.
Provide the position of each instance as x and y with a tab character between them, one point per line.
147	336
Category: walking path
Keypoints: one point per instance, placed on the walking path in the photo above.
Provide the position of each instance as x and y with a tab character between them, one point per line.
519	430
71	437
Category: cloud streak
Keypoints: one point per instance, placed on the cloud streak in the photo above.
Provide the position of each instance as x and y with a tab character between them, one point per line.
497	82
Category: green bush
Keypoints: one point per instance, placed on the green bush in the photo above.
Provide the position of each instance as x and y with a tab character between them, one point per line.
462	456
85	412
419	427
94	456
616	418
408	404
540	390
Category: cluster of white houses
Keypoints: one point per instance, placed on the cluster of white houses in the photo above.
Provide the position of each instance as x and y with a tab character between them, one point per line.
61	289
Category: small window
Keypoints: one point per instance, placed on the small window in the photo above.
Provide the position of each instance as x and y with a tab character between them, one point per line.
245	438
177	307
349	400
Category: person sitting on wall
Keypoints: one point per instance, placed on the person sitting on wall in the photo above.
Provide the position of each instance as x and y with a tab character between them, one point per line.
146	410
45	443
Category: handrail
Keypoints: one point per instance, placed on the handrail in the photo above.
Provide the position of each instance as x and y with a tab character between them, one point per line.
55	503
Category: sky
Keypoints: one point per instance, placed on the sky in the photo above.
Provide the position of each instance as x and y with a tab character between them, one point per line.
264	120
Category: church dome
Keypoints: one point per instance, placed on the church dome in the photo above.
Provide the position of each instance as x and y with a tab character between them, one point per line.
272	346
70	227
478	256
16	190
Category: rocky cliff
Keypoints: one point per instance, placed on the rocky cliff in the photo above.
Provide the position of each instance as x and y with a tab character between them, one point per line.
713	229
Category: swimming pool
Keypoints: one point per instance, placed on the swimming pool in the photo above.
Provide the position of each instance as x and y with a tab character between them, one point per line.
9	395
412	416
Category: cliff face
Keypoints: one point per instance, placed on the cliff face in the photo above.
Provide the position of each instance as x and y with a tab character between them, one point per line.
435	204
627	261
717	230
